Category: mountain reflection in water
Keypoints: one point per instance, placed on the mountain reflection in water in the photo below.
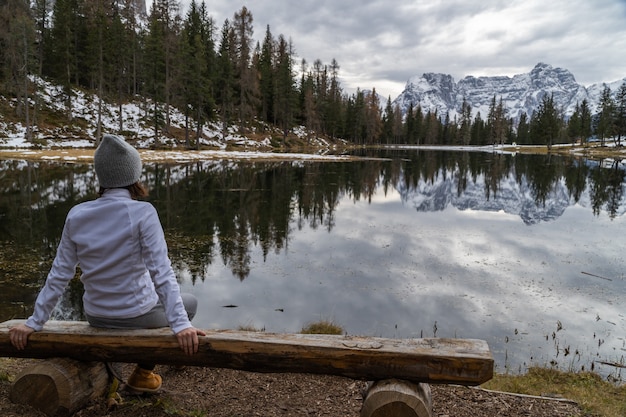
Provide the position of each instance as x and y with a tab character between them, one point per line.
522	251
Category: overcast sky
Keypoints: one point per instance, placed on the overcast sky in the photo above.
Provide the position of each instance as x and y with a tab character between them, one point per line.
382	43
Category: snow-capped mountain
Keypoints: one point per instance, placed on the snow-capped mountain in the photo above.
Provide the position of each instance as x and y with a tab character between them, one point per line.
511	195
521	93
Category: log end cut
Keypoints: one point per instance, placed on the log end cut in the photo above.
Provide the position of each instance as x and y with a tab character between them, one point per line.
397	398
59	387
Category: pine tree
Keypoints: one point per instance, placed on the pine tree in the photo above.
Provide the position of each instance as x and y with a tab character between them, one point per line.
245	76
492	121
334	113
620	113
97	26
62	58
447	135
466	123
42	9
388	120
320	77
373	124
134	34
154	67
355	118
497	122
419	125
170	20
410	132
307	106
119	51
523	130
284	92
432	128
479	131
17	56
547	122
225	76
585	121
266	77
579	124
397	126
574	125
193	82
606	119
197	51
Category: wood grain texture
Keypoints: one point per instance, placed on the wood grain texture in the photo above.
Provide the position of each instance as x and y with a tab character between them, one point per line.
60	386
430	360
396	398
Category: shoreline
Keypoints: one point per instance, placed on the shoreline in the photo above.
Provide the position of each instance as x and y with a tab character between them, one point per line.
85	154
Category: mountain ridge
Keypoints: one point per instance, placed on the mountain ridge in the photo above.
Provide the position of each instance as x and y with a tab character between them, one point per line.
521	93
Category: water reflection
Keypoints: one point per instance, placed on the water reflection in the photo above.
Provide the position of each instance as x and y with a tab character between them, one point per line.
518	250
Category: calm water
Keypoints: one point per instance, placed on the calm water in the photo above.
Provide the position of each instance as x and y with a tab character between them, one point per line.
523	251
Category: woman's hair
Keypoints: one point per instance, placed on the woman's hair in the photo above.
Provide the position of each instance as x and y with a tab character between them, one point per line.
137	190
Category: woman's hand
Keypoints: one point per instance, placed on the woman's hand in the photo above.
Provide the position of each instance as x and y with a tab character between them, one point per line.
188	339
19	335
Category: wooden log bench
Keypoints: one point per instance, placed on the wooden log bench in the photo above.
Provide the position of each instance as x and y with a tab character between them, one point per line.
399	370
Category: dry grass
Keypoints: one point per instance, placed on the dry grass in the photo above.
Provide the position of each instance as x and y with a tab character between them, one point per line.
322	327
318	327
66	154
596	396
594	150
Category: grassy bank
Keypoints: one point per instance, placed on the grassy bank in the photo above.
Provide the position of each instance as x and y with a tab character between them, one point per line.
596	396
594	150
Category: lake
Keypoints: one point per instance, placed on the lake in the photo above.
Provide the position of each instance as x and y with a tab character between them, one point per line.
524	251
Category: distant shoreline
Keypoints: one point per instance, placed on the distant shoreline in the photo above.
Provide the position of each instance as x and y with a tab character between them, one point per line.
80	154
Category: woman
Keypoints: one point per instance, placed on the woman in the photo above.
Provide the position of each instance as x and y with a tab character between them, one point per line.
119	244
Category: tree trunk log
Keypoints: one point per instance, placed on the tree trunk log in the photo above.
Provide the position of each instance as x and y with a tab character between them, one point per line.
396	398
436	360
60	386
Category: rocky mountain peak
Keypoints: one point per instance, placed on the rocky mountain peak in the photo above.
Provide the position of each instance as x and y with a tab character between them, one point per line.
521	93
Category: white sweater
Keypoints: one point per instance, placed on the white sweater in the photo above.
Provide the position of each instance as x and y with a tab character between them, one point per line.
120	247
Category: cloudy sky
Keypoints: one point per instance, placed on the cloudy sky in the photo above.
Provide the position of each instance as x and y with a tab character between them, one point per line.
382	43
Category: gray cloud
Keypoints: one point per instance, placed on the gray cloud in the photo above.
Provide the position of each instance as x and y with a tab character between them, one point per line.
382	43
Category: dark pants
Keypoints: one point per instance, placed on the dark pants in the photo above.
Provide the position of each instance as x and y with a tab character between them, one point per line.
154	318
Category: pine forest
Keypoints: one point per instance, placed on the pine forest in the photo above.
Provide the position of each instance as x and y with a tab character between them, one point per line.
216	72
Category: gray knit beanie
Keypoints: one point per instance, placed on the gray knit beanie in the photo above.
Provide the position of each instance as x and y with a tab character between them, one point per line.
117	163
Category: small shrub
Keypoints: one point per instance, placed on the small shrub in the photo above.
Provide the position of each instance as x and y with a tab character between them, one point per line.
249	328
322	327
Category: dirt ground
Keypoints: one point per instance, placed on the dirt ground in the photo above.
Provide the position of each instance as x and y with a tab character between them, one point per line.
210	392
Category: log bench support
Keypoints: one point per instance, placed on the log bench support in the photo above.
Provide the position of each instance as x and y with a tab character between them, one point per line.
400	369
60	386
397	398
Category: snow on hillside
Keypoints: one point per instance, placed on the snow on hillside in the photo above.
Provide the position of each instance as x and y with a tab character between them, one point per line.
136	125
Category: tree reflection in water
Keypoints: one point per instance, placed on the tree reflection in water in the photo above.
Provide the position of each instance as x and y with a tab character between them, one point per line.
241	214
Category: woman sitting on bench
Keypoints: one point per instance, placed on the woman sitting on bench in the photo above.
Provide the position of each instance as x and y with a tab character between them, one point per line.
126	272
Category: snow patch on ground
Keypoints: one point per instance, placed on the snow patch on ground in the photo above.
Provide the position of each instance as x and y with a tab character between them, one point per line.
136	117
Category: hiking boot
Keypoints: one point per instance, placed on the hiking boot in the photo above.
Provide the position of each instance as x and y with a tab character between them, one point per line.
143	380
